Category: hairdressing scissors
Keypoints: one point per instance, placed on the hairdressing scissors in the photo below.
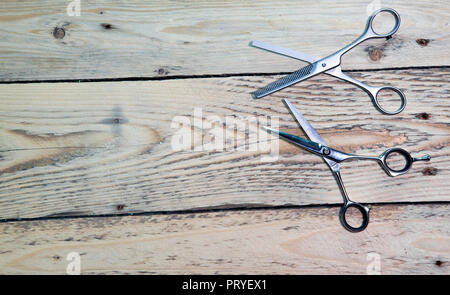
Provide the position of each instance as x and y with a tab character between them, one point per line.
333	157
331	65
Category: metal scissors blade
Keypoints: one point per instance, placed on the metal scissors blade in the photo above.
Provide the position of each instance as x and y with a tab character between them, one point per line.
304	73
284	51
335	72
309	145
297	76
310	131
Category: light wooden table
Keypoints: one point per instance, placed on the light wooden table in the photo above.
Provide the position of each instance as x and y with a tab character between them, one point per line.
87	164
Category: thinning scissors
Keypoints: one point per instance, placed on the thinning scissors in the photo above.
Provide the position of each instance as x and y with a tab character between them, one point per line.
333	157
331	65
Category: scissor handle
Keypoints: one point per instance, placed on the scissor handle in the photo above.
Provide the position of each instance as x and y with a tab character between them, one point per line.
370	32
349	203
408	161
374	91
364	214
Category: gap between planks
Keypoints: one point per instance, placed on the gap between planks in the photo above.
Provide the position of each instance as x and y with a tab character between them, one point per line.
206	76
410	239
217	209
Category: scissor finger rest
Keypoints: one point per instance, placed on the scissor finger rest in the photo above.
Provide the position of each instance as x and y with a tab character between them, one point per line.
370	31
384	159
372	91
406	157
375	91
391	153
364	215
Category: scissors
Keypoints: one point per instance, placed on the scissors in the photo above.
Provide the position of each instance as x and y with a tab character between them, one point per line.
331	65
333	157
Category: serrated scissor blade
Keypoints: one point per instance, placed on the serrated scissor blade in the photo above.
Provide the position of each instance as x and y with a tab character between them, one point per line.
295	77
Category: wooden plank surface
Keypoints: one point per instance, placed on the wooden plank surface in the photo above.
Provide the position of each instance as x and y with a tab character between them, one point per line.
119	39
104	148
408	239
72	155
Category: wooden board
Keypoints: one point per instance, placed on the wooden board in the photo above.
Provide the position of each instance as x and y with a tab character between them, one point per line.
408	239
74	155
105	148
120	39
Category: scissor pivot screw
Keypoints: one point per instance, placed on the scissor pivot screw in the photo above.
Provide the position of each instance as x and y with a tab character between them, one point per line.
326	151
324	65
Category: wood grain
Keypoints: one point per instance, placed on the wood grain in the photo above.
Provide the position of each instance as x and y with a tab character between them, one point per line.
105	148
410	239
117	39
